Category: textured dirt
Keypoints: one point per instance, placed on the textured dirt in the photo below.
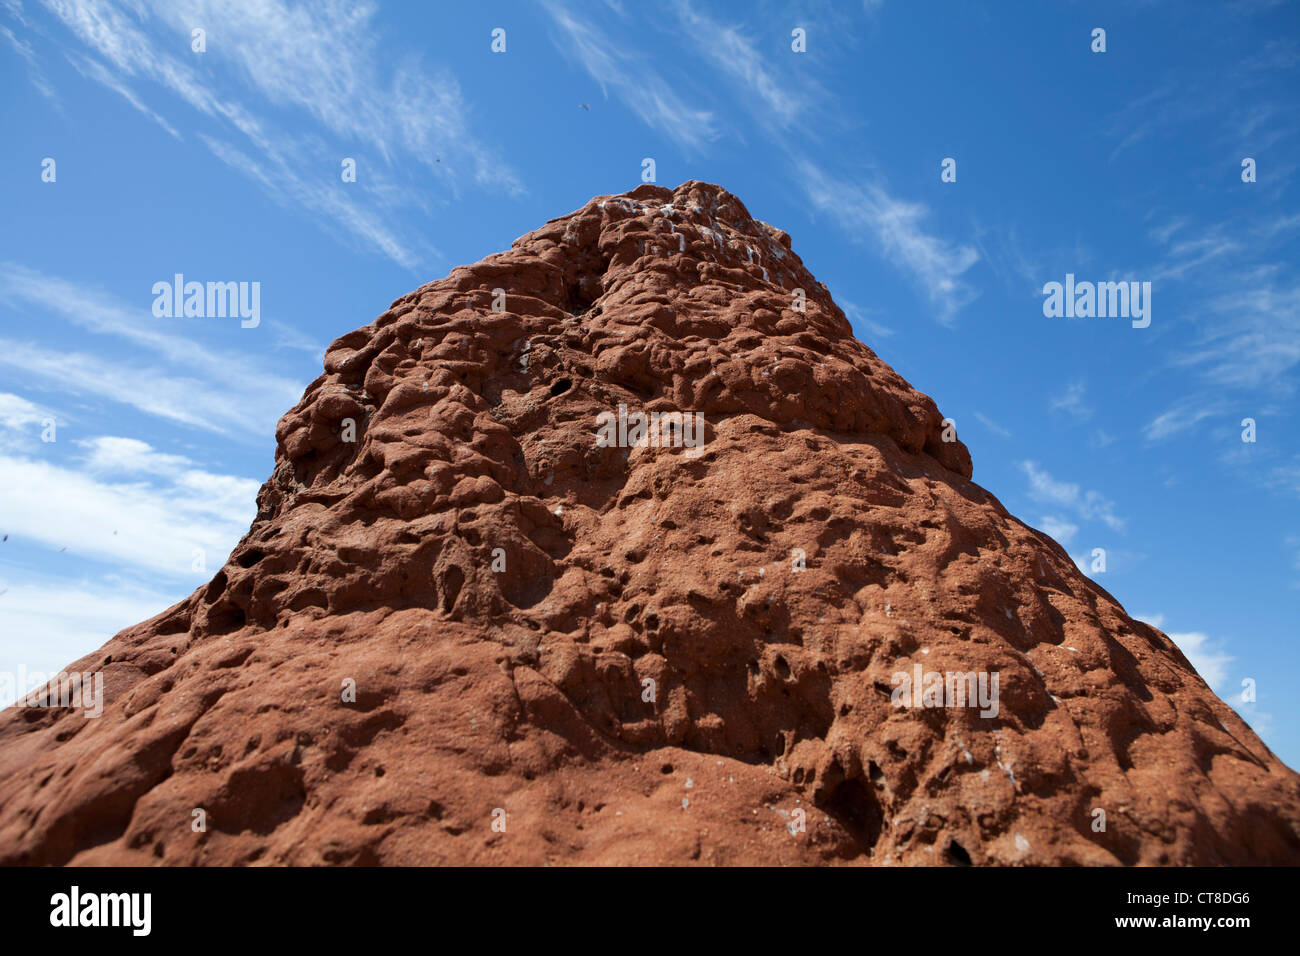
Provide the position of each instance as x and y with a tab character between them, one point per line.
525	689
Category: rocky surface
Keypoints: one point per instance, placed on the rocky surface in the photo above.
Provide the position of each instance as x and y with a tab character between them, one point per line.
638	655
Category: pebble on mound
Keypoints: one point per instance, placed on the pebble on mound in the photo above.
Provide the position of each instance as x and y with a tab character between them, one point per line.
463	630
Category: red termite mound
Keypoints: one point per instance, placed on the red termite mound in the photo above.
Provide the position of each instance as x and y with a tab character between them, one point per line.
652	654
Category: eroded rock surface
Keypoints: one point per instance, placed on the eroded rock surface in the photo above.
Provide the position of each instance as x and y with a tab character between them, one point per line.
640	655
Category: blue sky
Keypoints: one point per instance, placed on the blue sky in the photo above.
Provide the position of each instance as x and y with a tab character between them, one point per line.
225	165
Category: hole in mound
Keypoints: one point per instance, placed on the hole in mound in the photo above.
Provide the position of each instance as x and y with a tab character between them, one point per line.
781	667
224	618
250	558
856	808
582	295
215	588
561	386
957	854
452	581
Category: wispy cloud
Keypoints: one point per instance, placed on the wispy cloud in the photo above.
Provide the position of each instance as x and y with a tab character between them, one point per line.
1204	654
1191	254
991	425
1140	118
92	69
25	51
129	506
780	101
1089	505
1180	418
859	315
186	381
286	187
1071	401
146	387
1252	339
636	82
867	209
327	63
774	100
1005	253
1241	332
1059	528
17	412
47	621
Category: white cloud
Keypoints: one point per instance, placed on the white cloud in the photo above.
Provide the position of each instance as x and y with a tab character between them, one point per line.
1193	255
638	85
865	208
146	388
327	60
1212	665
285	186
1018	268
1071	401
1162	233
109	454
862	316
1210	661
991	425
1243	298
1254	340
780	102
150	515
24	50
1178	419
1058	528
112	500
16	412
46	624
92	69
194	384
1089	505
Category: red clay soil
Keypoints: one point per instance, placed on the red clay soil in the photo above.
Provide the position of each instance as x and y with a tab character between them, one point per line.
635	655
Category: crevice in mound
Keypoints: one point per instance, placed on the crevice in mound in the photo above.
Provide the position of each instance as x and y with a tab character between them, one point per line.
583	294
957	855
250	557
854	805
177	622
453	579
225	618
